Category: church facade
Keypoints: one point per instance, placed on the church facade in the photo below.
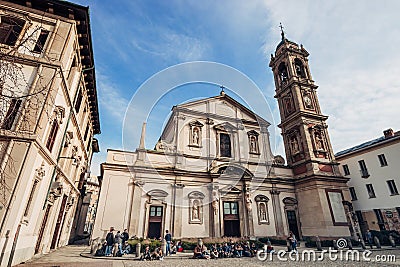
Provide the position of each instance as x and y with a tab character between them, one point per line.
212	173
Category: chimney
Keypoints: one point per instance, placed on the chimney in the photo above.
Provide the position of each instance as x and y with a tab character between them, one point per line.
388	133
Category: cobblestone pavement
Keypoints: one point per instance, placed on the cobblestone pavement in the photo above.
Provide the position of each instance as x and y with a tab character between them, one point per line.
70	256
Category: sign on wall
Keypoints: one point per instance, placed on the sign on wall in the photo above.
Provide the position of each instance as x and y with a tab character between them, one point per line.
336	207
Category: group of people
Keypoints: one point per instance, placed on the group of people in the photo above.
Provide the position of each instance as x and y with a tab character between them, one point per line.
115	245
227	250
157	253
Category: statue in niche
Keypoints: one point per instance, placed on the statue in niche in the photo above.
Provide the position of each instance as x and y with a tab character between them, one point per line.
196	136
318	141
195	210
288	104
263	212
283	74
294	144
248	202
253	147
298	66
215	201
307	101
298	69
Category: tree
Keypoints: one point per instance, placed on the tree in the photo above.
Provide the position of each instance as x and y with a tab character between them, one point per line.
25	94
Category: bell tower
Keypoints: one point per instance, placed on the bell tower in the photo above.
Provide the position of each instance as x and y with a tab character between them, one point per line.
320	188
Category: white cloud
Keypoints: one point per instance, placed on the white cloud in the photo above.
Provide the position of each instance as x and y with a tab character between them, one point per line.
354	54
110	98
172	45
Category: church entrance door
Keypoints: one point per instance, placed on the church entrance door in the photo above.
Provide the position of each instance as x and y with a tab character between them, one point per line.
155	220
292	222
231	219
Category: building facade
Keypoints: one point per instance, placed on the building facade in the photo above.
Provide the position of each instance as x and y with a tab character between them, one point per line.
49	115
212	173
86	212
374	181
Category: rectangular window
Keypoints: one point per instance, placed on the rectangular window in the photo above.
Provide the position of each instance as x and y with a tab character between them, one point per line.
10	29
156	211
230	208
28	205
392	187
360	217
78	101
225	145
346	169
382	160
11	114
379	217
363	169
227	208
370	190
52	135
152	211
353	193
41	41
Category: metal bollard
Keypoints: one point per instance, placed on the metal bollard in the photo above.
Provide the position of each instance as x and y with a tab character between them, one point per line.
138	246
377	242
164	246
392	242
318	243
362	243
349	244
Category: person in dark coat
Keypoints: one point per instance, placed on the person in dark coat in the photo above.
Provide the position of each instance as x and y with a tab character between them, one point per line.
125	236
168	239
110	242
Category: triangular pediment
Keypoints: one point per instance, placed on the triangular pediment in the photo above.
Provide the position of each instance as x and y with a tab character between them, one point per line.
224	105
225	127
196	123
230	189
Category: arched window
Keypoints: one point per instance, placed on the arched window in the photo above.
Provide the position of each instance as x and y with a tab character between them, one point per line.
299	68
283	74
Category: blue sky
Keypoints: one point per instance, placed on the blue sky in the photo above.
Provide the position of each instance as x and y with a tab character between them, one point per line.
353	45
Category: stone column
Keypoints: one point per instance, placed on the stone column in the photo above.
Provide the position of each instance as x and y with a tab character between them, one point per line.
133	226
214	211
249	208
177	224
276	204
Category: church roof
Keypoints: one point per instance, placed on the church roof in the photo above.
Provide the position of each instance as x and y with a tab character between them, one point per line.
224	96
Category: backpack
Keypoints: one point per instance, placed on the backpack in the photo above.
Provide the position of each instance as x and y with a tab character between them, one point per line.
99	253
